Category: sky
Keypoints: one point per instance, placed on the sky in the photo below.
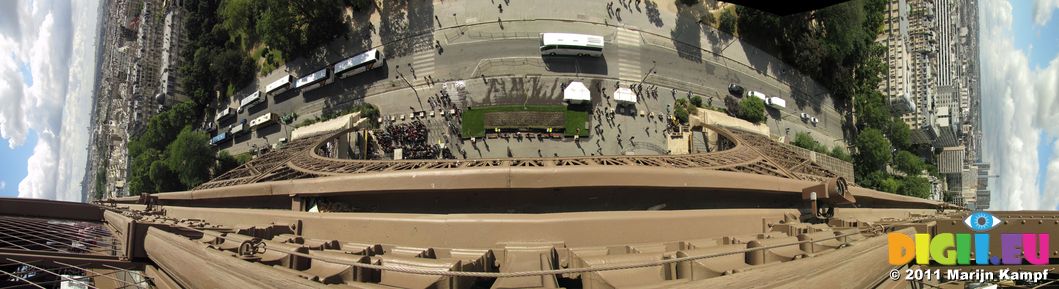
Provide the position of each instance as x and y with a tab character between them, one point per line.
47	70
1019	44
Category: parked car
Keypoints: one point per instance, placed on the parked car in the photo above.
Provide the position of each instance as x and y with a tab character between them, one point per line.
814	120
805	116
736	90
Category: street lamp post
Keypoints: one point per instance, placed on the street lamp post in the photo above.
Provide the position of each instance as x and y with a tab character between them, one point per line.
409	83
649	71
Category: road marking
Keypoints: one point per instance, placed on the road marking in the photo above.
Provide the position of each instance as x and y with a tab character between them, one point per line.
423	63
628	43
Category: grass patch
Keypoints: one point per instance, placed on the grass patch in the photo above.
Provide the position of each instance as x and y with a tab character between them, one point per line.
474	119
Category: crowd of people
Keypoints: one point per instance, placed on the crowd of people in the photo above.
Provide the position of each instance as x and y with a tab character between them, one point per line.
412	139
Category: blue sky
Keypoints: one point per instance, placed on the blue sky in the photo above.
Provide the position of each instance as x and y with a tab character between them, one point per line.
11	175
14	170
1019	43
1041	43
47	82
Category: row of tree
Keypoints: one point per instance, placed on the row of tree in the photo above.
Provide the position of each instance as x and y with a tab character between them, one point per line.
291	27
836	46
170	156
803	140
223	33
829	44
212	61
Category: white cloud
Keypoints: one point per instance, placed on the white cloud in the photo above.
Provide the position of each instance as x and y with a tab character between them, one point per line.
3	185
56	40
1051	184
1042	11
1019	104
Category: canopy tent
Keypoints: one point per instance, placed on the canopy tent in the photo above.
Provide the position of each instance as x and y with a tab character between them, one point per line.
576	92
625	95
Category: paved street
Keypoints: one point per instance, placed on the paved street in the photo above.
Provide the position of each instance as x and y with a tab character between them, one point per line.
506	53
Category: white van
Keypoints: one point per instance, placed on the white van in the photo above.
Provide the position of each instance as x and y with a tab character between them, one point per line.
759	95
776	102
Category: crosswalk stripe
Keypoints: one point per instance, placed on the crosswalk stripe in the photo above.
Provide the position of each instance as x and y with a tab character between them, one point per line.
628	44
423	62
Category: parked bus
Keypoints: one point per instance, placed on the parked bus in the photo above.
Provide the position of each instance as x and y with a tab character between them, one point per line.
263	120
238	129
224	113
279	86
571	44
250	100
217	139
311	81
359	63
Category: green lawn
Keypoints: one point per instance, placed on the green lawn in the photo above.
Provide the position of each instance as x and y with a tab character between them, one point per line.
474	119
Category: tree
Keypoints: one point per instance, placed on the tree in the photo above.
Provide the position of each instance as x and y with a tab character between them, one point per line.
101	184
908	163
225	163
873	151
752	109
357	5
915	186
728	22
890	185
872	111
275	28
901	135
803	140
164	179
681	114
239	16
295	27
839	153
191	157
696	100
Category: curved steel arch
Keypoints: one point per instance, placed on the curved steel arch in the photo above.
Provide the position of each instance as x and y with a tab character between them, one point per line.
743	152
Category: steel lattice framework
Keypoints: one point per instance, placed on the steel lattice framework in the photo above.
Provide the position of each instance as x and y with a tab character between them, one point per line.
739	151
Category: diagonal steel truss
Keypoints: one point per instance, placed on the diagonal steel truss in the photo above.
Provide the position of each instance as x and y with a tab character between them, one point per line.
741	151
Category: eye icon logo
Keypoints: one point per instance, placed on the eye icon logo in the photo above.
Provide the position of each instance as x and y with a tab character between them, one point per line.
981	221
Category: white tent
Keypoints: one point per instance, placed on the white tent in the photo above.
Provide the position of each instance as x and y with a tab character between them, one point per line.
625	95
576	92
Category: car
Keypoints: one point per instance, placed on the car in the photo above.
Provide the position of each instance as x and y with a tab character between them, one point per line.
814	120
805	116
735	89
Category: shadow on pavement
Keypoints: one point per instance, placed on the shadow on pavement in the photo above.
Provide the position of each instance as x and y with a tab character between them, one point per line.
575	64
685	35
401	22
653	15
525	90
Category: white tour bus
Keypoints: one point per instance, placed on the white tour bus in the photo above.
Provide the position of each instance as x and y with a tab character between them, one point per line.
250	100
308	82
225	113
359	63
279	86
571	44
263	120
